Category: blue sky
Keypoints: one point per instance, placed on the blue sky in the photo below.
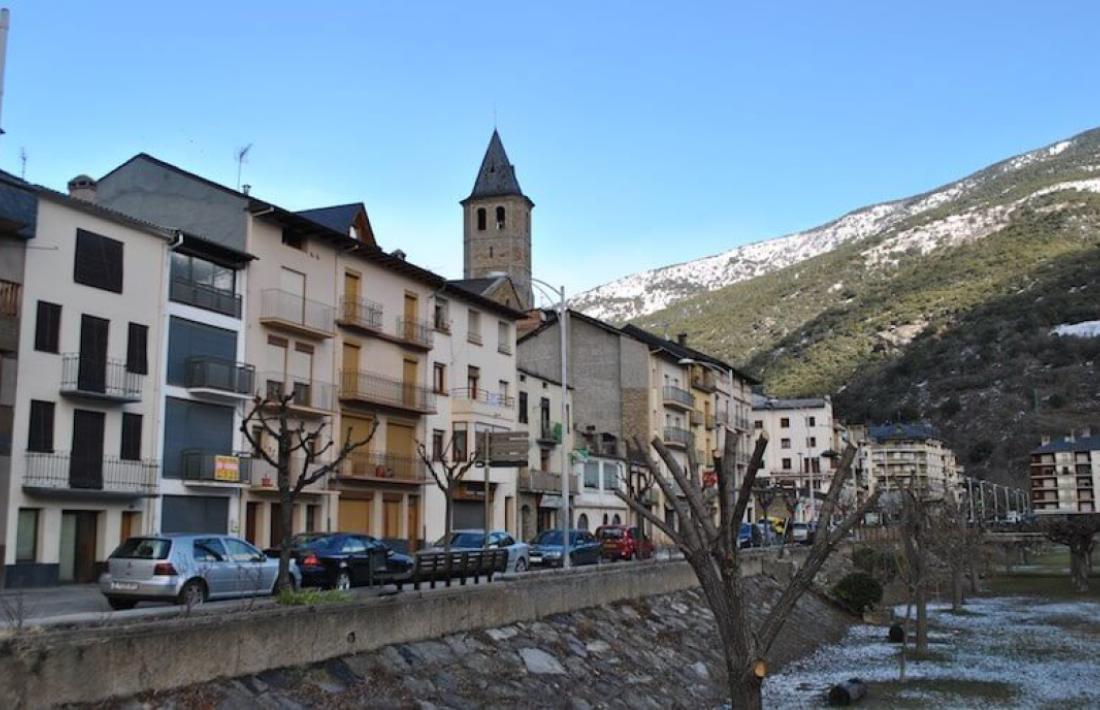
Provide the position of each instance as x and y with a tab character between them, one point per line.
646	132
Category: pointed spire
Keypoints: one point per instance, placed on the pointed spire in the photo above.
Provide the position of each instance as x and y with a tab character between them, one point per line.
497	176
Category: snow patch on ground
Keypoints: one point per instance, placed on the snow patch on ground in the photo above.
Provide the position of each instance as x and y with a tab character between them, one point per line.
1084	329
1045	652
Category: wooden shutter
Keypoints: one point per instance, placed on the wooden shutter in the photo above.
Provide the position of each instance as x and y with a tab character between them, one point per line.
40	437
130	448
137	346
47	327
98	261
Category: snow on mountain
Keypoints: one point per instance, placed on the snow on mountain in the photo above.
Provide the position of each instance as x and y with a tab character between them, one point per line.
650	291
1084	329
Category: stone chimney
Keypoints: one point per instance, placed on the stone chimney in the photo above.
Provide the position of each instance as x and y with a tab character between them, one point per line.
82	187
682	339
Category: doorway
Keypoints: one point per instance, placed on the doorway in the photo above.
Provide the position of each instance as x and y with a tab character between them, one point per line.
251	512
78	545
86	464
91	373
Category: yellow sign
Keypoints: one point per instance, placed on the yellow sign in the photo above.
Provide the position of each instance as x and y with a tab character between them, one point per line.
227	468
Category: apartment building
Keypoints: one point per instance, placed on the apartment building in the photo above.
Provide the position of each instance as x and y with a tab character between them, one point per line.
539	485
1065	474
83	297
912	455
473	372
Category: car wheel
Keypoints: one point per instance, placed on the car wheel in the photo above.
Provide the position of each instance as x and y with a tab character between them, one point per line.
521	565
121	604
193	593
343	581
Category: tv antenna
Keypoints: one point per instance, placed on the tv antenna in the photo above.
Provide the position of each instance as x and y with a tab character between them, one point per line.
23	163
242	154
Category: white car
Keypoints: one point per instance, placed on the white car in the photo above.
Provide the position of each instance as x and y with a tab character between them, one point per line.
519	553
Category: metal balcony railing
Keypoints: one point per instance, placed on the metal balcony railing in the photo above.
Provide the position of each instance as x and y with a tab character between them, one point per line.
385	466
294	312
711	421
473	337
204	372
379	389
677	395
416	332
550	432
705	380
479	394
208	467
677	436
541	482
360	313
107	474
696	417
307	394
86	376
203	296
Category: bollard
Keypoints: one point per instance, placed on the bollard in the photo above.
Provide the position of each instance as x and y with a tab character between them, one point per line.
848	692
897	634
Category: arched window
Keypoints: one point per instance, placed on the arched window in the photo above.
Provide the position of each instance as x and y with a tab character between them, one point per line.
500	218
582	522
616	520
605	518
481	219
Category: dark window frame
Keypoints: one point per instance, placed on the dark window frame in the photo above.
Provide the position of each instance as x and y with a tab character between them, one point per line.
523	408
481	219
40	434
37	513
137	349
47	327
129	448
98	261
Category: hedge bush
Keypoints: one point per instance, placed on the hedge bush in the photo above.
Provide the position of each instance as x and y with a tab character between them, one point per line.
858	591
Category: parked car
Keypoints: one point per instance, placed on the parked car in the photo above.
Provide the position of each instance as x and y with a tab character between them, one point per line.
547	549
802	533
188	568
343	560
620	542
519	553
744	535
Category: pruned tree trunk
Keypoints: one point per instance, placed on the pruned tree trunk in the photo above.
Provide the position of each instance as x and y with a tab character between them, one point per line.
1079	567
957	594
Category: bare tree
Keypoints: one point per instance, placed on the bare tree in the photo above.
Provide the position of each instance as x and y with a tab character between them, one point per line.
916	525
294	439
447	476
1078	533
956	542
709	543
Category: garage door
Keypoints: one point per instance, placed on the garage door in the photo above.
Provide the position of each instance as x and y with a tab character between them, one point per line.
469	514
355	515
195	514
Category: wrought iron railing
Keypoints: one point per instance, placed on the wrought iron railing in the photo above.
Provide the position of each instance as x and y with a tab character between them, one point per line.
361	312
379	465
371	387
305	393
478	394
93	376
109	474
414	331
205	372
204	296
295	310
209	467
678	395
678	436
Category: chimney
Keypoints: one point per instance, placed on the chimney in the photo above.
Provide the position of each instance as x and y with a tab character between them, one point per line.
246	189
399	254
1069	437
682	339
1044	439
82	187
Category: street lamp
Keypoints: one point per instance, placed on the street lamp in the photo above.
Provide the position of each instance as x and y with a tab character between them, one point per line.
563	325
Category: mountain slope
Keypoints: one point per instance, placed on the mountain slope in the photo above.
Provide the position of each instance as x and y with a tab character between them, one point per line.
646	292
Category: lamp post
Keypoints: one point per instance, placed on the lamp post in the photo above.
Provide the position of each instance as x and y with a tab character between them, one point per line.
563	327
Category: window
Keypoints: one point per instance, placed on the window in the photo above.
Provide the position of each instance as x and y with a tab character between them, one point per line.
811	421
196	270
758	424
437	444
47	327
784	443
812	442
130	449
26	535
500	218
137	348
294	240
504	338
439	315
240	551
544	459
459	450
522	407
98	261
439	378
40	437
481	219
592	474
785	423
786	464
312	511
473	377
208	549
473	326
582	522
502	386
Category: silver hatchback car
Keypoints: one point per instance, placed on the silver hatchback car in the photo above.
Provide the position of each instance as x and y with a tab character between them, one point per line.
188	568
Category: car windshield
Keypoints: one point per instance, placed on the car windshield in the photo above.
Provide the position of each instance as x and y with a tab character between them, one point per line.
548	537
143	548
314	541
611	534
464	539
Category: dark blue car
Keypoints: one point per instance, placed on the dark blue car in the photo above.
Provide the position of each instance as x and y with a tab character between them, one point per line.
546	548
344	560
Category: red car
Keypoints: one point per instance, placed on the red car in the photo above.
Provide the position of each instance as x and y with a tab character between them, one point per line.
618	542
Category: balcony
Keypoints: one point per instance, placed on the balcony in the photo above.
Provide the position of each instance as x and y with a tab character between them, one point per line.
542	482
360	314
704	380
368	388
379	466
711	422
61	474
549	433
309	397
203	468
480	401
696	418
205	297
293	313
675	436
10	298
677	397
415	333
265	477
218	378
94	378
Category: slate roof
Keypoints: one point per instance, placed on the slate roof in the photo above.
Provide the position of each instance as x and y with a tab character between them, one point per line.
497	176
763	401
1080	443
888	432
338	218
479	286
457	289
18	206
680	352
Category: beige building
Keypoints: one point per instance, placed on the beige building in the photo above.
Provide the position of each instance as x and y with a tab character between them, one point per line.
539	485
84	290
911	455
1065	474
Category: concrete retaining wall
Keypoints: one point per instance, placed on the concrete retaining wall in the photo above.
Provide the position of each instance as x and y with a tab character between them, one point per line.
90	664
